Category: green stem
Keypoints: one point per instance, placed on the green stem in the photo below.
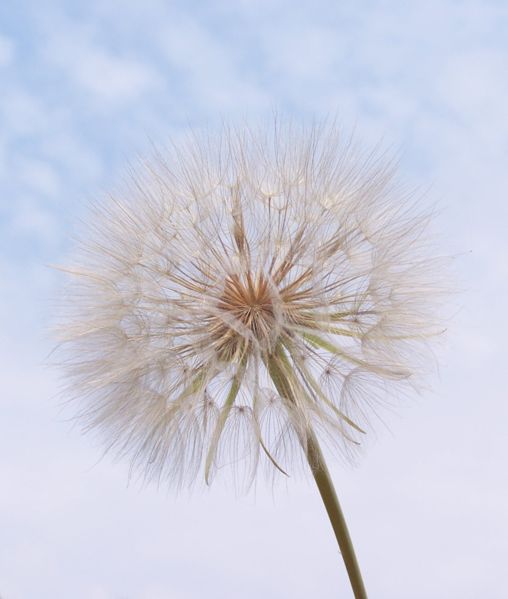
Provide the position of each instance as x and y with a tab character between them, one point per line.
277	366
332	505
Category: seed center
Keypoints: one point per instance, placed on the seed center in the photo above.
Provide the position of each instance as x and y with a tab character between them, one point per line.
248	301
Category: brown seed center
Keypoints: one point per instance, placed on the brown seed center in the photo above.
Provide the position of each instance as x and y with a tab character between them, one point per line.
246	299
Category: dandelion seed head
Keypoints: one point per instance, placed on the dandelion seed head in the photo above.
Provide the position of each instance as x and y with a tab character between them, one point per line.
227	260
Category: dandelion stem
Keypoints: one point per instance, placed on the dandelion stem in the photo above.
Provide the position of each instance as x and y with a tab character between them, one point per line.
277	367
332	505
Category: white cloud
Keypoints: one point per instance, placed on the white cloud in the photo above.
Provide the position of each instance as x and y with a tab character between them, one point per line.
31	220
21	112
98	592
211	69
110	77
67	152
102	73
40	175
474	85
6	51
308	51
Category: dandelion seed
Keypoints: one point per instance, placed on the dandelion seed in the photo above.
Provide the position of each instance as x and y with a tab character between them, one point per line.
243	294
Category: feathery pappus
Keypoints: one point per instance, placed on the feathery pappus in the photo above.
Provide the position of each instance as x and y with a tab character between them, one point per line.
244	289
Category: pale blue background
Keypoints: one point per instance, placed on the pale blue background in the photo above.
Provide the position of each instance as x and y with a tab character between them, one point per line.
84	87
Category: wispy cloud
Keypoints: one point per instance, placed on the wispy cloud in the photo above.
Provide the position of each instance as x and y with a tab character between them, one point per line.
216	75
6	51
106	75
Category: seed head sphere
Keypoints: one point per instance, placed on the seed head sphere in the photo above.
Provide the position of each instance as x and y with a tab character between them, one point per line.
230	262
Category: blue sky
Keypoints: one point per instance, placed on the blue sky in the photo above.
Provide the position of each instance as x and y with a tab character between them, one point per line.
86	88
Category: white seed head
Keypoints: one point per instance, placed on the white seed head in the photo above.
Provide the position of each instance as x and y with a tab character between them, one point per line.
234	266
